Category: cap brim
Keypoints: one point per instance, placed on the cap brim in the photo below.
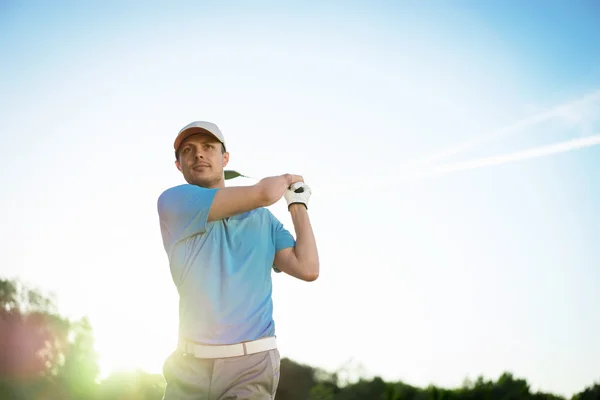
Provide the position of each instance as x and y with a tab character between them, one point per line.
189	132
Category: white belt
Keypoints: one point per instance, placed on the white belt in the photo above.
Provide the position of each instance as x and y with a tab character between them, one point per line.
229	350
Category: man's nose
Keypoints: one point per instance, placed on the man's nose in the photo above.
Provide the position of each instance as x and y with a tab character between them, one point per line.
198	154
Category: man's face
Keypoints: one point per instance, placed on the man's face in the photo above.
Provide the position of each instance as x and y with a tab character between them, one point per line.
202	161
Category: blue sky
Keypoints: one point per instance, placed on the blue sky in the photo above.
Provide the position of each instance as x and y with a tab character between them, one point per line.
428	280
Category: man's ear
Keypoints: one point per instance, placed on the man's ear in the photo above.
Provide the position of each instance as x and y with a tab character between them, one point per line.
178	165
225	159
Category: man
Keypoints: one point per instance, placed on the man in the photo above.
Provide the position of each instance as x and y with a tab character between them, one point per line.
222	244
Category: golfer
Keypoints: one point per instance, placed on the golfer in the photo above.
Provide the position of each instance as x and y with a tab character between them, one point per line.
222	245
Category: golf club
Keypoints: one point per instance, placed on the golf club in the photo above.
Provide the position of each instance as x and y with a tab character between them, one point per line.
231	174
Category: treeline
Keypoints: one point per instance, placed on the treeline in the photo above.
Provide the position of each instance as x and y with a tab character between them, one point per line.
45	356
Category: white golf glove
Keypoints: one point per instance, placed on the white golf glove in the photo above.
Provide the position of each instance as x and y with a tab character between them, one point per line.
299	192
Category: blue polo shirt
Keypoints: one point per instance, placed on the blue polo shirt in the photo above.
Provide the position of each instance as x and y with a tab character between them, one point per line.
222	269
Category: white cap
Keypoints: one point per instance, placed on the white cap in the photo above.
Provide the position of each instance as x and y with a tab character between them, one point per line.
198	127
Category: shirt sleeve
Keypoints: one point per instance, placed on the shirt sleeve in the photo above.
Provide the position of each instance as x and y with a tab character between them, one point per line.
183	212
281	236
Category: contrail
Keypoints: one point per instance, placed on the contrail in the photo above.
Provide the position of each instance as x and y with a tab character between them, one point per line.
505	158
555	112
536	152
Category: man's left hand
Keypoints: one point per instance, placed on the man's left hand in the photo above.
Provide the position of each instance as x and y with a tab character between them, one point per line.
298	193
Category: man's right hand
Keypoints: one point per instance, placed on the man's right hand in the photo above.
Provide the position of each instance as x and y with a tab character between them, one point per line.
274	187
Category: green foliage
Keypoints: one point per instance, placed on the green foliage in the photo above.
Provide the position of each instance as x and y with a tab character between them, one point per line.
79	371
321	391
44	356
136	385
589	393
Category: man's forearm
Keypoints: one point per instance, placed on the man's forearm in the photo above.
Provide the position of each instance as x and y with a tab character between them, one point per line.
306	245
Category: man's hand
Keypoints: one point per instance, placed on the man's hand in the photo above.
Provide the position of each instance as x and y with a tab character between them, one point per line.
274	187
298	193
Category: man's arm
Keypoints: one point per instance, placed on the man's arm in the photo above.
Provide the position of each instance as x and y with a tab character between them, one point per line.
301	261
186	209
231	201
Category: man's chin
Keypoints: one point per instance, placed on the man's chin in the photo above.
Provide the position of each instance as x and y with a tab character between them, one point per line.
204	181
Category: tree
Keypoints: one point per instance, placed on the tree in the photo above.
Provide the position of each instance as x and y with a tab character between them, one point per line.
45	356
136	385
79	371
375	389
296	381
589	393
42	354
